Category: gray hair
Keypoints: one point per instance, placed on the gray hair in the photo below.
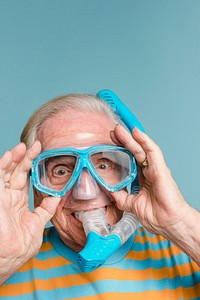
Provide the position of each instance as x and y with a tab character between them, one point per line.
77	102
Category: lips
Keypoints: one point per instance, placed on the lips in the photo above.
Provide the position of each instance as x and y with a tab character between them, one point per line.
111	213
76	213
94	221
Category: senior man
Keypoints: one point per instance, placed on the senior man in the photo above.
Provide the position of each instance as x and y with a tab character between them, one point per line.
83	164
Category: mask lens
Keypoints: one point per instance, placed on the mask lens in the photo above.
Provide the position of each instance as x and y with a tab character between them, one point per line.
112	166
56	171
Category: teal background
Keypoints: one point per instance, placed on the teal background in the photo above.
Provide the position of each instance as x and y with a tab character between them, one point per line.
147	51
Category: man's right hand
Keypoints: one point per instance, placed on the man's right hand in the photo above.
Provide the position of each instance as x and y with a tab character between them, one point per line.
21	230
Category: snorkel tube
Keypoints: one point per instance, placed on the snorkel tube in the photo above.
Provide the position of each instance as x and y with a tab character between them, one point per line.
103	241
127	117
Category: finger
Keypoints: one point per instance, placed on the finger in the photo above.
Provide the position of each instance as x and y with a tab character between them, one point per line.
151	149
18	153
31	153
19	176
143	139
124	201
157	170
47	209
115	139
5	163
132	145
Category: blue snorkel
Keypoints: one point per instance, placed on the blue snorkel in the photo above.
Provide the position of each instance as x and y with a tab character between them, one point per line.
102	241
127	117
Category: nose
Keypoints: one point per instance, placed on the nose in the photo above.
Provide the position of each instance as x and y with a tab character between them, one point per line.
86	187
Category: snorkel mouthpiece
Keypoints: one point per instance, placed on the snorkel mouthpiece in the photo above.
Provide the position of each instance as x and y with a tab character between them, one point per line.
97	250
102	241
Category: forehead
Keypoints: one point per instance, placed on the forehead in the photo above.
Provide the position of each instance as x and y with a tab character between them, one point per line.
72	128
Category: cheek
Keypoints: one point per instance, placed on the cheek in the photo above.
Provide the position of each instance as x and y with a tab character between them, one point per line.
69	228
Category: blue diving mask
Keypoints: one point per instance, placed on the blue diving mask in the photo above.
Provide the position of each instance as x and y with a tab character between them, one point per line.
54	172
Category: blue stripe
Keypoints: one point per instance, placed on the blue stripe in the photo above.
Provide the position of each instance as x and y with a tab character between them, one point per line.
127	264
110	286
137	246
27	276
48	254
132	264
142	232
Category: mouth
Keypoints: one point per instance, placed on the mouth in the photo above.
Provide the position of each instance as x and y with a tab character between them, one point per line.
94	221
110	212
75	213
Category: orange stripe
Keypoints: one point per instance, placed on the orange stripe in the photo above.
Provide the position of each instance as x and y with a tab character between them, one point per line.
44	264
88	278
60	261
46	247
186	294
154	254
155	239
138	275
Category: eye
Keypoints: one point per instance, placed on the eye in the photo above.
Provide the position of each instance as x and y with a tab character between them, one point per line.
61	171
103	166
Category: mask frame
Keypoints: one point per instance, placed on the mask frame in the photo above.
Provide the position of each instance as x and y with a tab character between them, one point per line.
83	161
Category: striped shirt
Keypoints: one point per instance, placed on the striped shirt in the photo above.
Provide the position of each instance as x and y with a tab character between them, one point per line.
147	267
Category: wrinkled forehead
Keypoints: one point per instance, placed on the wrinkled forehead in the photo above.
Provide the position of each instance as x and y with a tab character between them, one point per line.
76	129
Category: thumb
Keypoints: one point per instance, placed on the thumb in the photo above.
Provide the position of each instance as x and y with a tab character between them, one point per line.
47	209
124	201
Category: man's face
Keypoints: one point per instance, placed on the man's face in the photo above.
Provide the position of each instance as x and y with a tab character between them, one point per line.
79	130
